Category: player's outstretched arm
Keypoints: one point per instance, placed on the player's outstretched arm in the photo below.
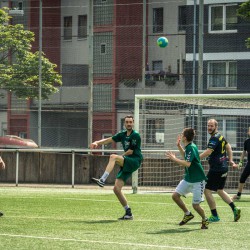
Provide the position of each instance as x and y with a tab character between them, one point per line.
206	153
96	144
230	156
171	156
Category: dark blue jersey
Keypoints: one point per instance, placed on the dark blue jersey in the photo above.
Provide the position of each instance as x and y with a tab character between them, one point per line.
218	160
247	148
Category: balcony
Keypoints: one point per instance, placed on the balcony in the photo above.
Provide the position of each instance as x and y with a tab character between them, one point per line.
16	12
161	75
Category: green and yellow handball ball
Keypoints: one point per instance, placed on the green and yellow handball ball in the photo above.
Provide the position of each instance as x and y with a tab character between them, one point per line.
162	42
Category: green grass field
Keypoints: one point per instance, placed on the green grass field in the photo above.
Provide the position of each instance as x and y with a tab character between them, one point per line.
65	218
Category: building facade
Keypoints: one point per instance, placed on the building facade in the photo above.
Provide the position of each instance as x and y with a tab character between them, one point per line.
126	61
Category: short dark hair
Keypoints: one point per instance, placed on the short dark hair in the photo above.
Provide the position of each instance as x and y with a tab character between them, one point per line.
189	133
129	116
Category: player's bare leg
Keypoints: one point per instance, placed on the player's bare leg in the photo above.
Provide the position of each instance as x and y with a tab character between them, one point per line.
226	198
210	199
201	212
224	195
237	196
177	199
113	160
212	205
187	214
119	184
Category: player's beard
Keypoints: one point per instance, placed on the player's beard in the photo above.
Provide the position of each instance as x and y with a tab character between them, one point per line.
129	128
213	132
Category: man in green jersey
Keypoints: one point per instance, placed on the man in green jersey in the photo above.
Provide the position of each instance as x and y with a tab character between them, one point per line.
194	178
129	161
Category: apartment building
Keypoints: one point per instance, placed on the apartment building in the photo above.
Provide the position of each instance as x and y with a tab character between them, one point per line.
122	52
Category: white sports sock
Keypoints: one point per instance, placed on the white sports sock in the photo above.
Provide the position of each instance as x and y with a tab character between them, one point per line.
188	213
126	207
105	176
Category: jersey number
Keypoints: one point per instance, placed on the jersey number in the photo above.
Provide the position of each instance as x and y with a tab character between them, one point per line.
223	147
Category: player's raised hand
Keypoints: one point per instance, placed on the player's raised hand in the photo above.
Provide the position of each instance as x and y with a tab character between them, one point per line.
178	141
170	155
93	145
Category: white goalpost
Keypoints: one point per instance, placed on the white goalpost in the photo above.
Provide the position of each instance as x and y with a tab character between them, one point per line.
160	118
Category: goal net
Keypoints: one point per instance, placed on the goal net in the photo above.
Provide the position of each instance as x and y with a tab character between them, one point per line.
160	118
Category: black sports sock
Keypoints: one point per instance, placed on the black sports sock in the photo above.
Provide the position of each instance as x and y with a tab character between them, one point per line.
232	205
214	212
239	194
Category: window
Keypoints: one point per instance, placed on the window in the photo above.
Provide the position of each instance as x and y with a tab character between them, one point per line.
4	129
223	18
227	127
155	130
157	20
18	5
157	65
67	28
181	65
182	18
122	123
102	97
107	146
103	48
82	26
75	74
222	74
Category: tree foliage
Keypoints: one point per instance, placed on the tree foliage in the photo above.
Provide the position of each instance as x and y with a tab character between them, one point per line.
19	66
244	12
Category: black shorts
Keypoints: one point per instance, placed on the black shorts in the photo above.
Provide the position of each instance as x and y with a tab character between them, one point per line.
245	173
216	180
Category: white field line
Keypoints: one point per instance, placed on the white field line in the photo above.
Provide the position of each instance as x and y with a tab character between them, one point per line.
134	202
99	242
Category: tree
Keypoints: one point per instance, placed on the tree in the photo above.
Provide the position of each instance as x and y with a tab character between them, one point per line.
244	12
19	66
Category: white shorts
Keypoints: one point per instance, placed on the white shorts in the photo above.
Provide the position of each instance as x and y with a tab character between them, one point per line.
196	188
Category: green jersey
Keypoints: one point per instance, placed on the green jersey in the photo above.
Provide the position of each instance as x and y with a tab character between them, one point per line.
133	142
194	173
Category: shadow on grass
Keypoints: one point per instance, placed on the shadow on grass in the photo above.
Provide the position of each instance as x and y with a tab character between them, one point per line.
241	201
175	230
100	221
179	229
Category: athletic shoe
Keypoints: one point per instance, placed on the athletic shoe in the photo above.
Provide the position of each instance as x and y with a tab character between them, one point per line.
99	182
204	224
1	213
213	218
127	216
236	214
186	219
236	198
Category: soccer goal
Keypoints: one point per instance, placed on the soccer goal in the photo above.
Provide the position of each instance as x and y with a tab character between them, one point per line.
160	118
